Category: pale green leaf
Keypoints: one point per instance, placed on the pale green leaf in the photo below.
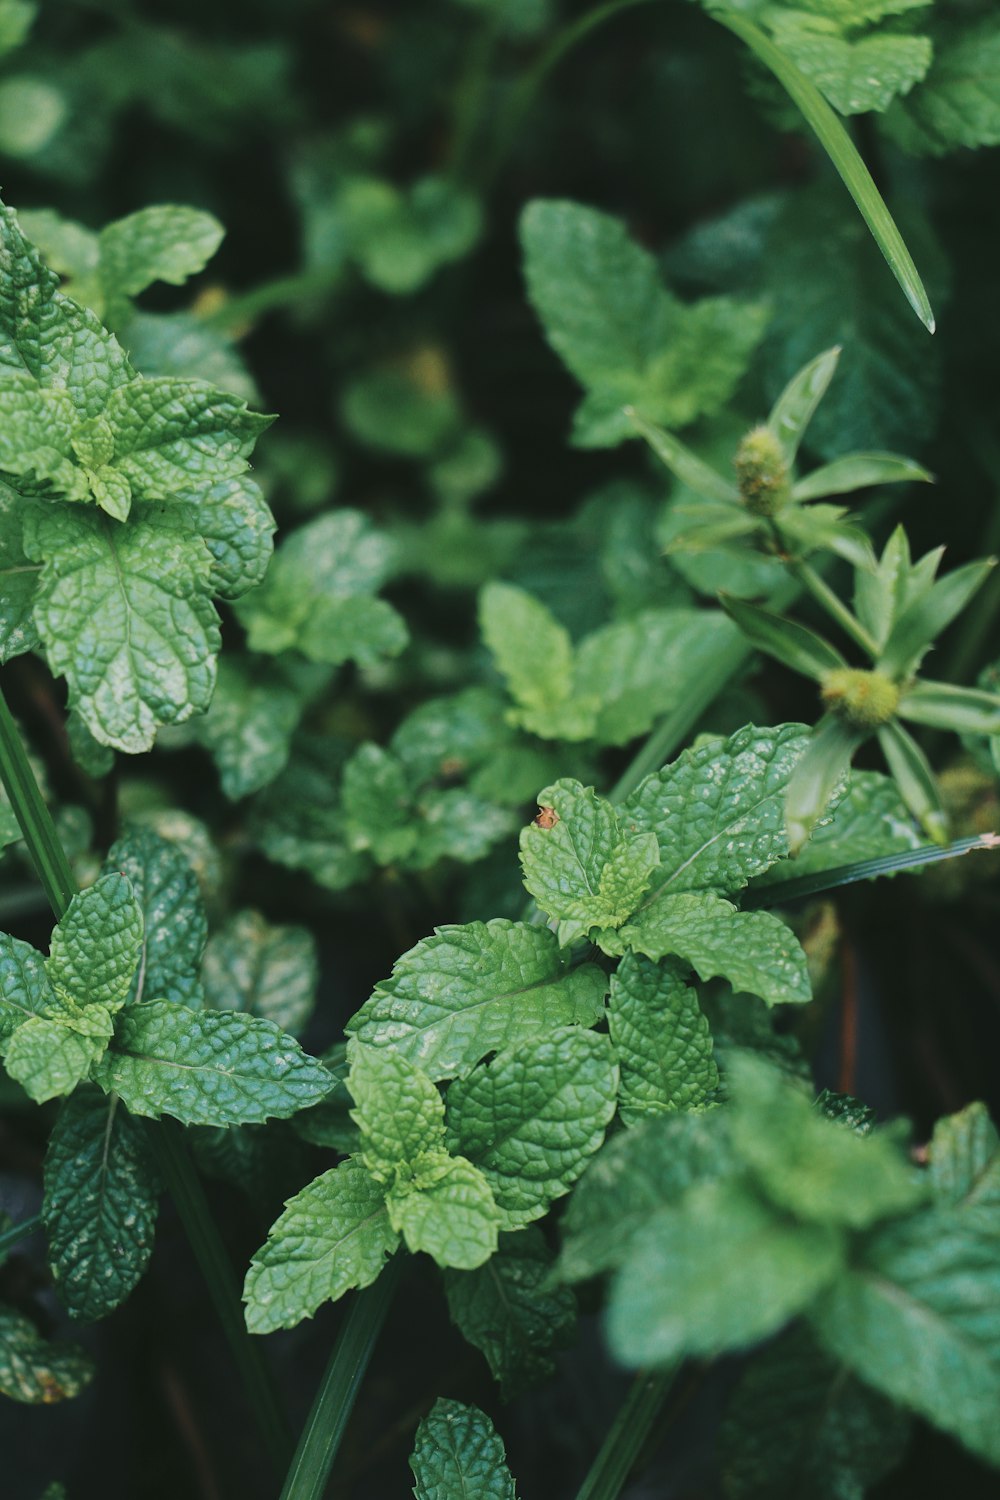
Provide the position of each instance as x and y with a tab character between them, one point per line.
510	1312
333	1235
398	1110
100	1203
965	1160
97	945
379	815
917	1315
532	651
585	870
25	987
458	1455
254	712
753	950
472	989
34	1371
166	242
661	1039
166	888
856	75
19	578
235	522
532	1118
262	970
49	1058
208	1067
448	1212
871	820
958	103
719	1271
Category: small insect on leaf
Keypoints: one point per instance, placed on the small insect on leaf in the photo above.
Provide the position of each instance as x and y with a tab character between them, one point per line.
547	818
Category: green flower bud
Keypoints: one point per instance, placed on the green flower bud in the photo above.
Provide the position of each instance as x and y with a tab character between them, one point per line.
761	472
866	700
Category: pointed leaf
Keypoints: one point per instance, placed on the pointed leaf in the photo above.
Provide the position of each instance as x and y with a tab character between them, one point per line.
683	463
817	776
962	710
856	472
915	779
965	1161
792	644
398	1110
262	970
449	1213
174	925
97	945
661	1039
34	1371
793	410
457	1455
922	622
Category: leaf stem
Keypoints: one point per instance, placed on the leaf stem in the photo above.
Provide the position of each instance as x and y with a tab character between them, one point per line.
18	1232
184	1186
835	607
324	1427
627	1434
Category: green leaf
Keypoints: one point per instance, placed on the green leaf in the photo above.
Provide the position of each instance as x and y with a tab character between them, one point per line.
458	1455
317	596
262	970
842	153
398	1110
208	1067
792	644
794	409
97	945
635	1174
856	75
856	472
379	814
166	888
18	583
683	463
661	1039
965	1161
101	1198
917	1315
962	710
761	957
718	810
298	821
810	1165
236	525
166	242
922	621
34	1371
48	1057
623	336
25	987
719	1271
448	1212
958	103
820	772
915	779
510	1312
333	1235
472	989
799	1423
124	614
585	870
532	1118
255	711
535	656
870	820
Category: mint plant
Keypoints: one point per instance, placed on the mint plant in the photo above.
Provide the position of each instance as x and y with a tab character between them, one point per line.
465	936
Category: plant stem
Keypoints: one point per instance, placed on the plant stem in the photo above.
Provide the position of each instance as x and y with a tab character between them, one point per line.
184	1186
627	1434
18	1232
324	1428
34	820
798	887
59	882
835	607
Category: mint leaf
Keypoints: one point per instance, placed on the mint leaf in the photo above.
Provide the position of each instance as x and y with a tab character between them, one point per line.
34	1371
918	1316
719	1271
208	1067
510	1311
379	815
957	104
174	926
533	1117
100	1203
661	1039
799	1423
236	525
333	1235
18	583
25	988
448	1211
470	990
535	656
255	710
165	242
97	945
49	1056
584	869
871	820
620	333
398	1110
317	596
299	821
262	970
753	950
856	74
124	613
965	1161
457	1452
718	810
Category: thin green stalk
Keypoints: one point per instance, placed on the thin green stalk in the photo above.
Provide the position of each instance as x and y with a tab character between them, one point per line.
627	1435
13	1236
835	607
798	887
55	873
47	853
324	1428
283	291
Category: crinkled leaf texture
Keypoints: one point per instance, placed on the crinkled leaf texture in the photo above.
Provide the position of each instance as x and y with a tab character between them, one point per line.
661	1039
510	1311
448	1211
208	1067
532	1118
472	989
174	922
34	1371
458	1455
333	1235
397	1109
262	970
101	1198
965	1161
